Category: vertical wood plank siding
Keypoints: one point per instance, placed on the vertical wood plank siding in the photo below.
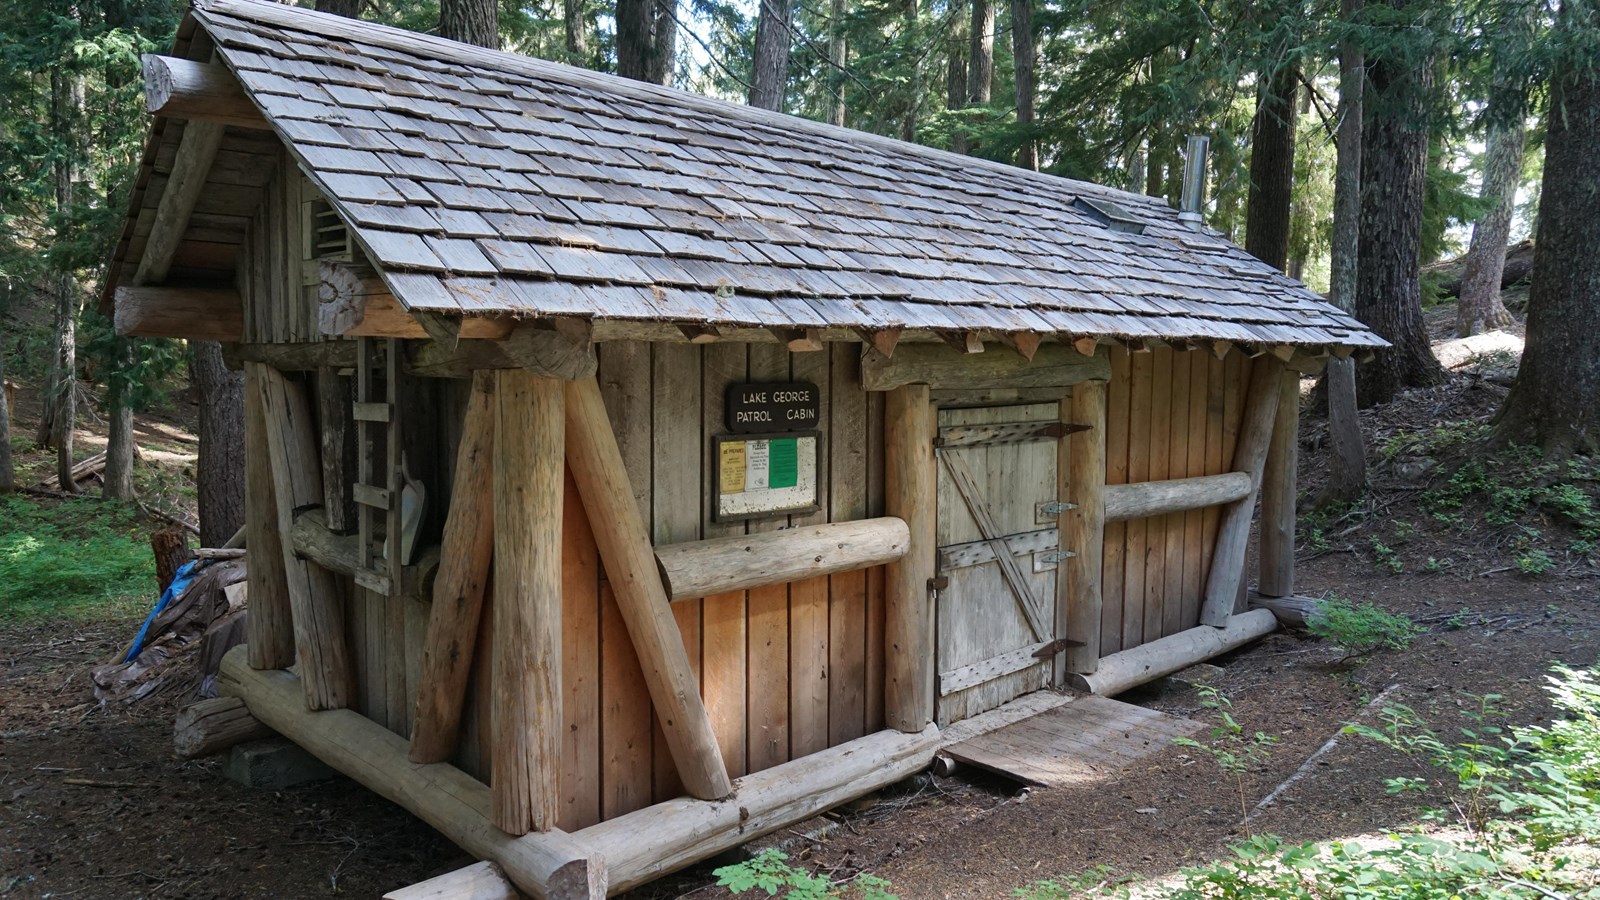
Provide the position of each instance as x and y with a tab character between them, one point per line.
785	670
1169	414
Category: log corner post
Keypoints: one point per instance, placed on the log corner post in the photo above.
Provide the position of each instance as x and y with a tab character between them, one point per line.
1278	492
911	492
529	484
1082	526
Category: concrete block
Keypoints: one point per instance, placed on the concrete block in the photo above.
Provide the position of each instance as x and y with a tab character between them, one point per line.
273	764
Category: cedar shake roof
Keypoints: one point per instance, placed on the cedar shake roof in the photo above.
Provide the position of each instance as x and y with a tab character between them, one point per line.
485	183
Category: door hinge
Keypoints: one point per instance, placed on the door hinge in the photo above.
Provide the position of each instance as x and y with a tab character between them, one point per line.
938	583
1050	510
1054	647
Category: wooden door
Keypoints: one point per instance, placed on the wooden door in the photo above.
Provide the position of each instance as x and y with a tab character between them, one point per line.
997	558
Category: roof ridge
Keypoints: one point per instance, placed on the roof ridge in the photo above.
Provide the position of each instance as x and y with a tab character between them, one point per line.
393	38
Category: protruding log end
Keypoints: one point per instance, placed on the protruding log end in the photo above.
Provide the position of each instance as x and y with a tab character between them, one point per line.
185	89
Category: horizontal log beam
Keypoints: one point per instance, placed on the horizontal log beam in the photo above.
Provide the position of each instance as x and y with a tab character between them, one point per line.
717	566
653	841
939	366
1154	498
341	553
479	881
213	725
199	92
355	302
1147	662
196	314
551	864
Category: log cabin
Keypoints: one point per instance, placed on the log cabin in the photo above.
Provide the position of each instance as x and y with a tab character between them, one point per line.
631	474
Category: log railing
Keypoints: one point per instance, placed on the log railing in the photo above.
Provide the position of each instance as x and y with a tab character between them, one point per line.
1143	499
719	565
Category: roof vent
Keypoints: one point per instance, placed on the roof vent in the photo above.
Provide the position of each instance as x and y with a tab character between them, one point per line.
1109	214
326	236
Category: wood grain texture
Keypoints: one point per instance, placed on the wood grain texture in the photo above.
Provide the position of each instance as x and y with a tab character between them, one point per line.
528	498
319	633
1125	502
1083	459
1137	531
458	588
809	552
767	623
675	409
580	666
809	674
1113	566
271	619
624	543
1155	555
1194	519
1131	668
1177	467
910	492
1278	492
1250	453
722	617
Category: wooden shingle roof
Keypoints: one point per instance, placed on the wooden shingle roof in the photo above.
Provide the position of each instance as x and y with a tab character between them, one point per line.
485	183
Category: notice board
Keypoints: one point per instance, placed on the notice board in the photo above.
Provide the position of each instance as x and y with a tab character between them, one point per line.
761	475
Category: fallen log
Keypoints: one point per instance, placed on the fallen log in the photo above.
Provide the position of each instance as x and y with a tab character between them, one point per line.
82	469
212	726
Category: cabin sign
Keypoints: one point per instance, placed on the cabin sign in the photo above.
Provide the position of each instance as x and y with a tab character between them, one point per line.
754	408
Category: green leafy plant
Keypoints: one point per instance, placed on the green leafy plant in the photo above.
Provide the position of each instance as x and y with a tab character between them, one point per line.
1387	557
1362	628
1235	751
1089	881
772	873
1534	563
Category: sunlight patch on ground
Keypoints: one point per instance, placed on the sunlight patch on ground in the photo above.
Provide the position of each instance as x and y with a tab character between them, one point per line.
1459	350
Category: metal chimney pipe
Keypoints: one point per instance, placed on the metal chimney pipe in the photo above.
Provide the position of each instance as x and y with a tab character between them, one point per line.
1194	181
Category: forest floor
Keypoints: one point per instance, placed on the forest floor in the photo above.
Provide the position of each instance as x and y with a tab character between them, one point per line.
1488	554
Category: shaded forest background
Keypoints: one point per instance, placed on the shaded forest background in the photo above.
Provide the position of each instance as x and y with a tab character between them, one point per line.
1352	144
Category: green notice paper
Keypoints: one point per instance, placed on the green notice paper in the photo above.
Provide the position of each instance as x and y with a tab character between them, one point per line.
784	462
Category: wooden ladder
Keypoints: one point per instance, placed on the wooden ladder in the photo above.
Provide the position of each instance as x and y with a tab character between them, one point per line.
370	497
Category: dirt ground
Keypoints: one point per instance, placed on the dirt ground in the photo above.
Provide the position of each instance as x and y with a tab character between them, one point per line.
93	805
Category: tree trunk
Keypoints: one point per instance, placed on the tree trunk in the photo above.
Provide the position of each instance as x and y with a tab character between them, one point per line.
1478	307
577	37
65	99
350	9
8	471
980	57
956	74
119	444
1555	402
1272	168
471	22
770	68
1025	69
663	41
219	475
1394	162
838	53
646	39
1347	463
913	105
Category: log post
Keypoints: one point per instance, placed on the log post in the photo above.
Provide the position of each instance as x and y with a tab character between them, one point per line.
911	494
552	865
450	645
1233	533
526	716
271	623
314	596
1278	492
334	405
630	564
1083	522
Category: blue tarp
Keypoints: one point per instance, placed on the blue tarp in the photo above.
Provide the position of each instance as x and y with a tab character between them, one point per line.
180	582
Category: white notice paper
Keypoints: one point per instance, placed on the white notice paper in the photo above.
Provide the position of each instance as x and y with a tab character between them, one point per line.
757	465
